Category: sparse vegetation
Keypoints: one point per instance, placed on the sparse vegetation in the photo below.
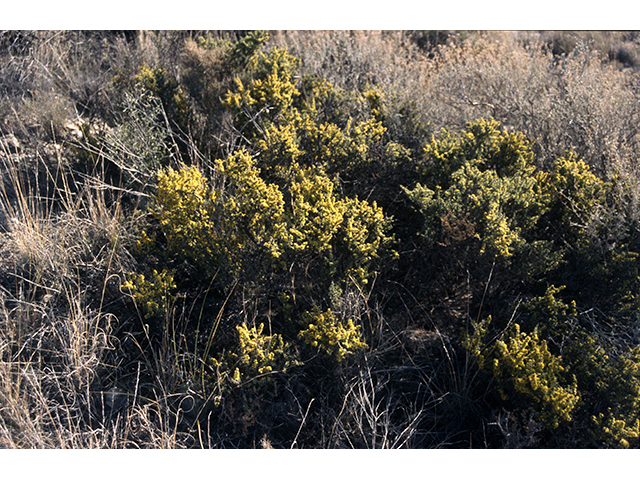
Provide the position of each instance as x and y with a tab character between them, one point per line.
319	239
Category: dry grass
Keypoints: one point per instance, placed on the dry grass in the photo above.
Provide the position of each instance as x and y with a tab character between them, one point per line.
63	255
580	101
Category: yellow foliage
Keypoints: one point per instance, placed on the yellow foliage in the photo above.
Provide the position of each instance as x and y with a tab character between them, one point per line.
257	354
325	332
536	373
316	213
185	208
253	209
523	362
167	89
213	227
270	93
611	430
153	296
575	186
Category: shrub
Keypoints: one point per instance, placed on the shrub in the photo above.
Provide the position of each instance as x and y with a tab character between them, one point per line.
139	144
325	332
256	355
621	420
523	365
185	209
549	313
486	177
168	90
279	208
270	93
216	228
154	295
243	51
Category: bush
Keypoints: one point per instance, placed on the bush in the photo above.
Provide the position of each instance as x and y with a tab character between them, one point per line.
257	355
261	198
336	339
153	296
484	177
523	364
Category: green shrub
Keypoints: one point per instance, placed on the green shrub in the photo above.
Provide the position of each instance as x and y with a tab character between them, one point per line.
550	313
525	367
168	90
486	177
242	51
620	383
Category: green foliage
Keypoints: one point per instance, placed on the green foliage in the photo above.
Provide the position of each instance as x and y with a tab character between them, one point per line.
152	295
549	312
525	367
168	90
611	385
327	333
213	43
244	49
486	177
481	145
138	143
620	273
620	422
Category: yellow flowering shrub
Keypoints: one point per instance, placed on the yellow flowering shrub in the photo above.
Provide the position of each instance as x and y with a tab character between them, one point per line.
152	295
487	176
253	210
612	431
256	355
316	213
269	94
330	335
294	126
525	367
215	227
186	210
575	188
346	232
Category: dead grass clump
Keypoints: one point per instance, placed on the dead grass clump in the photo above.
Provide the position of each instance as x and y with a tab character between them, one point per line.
578	102
63	257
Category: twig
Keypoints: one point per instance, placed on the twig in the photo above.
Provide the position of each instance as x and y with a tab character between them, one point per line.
304	419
